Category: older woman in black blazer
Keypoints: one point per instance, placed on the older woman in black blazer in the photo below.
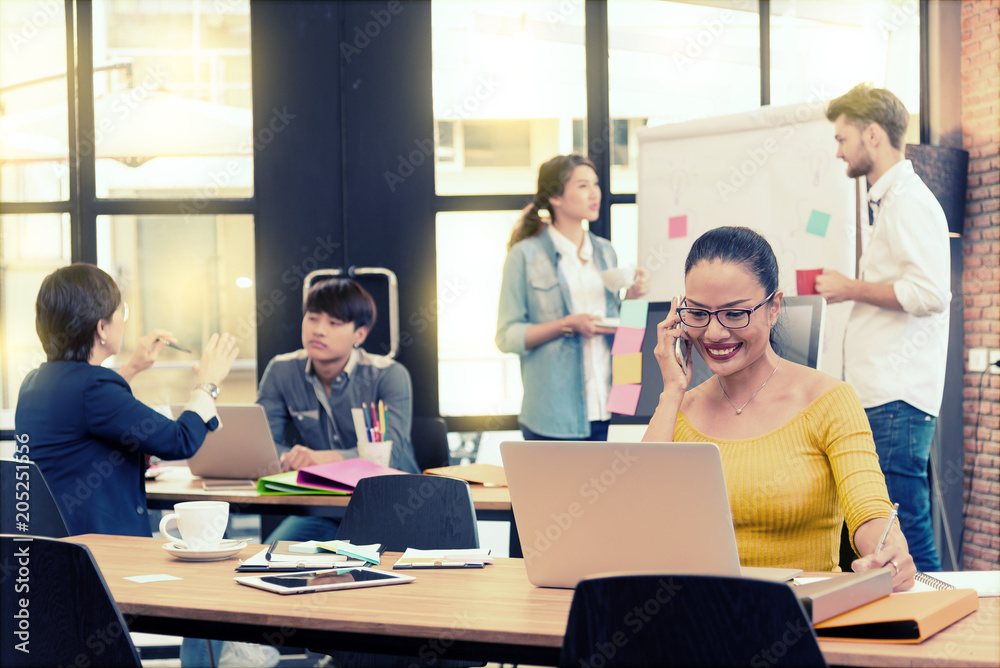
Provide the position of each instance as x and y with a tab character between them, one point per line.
79	420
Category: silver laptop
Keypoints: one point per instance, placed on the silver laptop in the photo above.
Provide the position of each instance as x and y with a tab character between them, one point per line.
584	508
242	448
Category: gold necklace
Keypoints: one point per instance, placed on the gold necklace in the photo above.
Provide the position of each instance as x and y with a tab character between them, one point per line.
740	409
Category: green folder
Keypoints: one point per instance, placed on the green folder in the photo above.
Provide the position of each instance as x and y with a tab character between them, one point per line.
285	484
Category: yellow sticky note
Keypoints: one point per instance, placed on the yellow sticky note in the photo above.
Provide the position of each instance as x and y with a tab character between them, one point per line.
626	369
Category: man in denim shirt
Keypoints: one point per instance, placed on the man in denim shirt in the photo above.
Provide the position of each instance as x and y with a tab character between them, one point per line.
308	394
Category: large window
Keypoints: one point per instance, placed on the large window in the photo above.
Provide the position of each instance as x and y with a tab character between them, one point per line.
511	89
150	179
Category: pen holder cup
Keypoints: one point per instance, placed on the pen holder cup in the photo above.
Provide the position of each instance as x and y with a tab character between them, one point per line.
201	524
376	453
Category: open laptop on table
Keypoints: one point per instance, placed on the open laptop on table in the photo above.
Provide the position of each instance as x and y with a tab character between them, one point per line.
585	507
241	449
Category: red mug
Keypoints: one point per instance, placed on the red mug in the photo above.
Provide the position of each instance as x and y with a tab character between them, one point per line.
805	281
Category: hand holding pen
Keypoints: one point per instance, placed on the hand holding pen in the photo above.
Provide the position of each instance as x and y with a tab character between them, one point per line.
893	554
147	349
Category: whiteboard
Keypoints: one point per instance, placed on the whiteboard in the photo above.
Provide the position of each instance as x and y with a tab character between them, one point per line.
773	169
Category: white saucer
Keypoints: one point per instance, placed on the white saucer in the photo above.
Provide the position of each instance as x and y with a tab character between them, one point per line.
227	549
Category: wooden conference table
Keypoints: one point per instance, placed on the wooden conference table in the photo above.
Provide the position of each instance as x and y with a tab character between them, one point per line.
176	484
493	614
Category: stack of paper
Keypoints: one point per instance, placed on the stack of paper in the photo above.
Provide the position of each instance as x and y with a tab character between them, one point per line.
367	553
467	558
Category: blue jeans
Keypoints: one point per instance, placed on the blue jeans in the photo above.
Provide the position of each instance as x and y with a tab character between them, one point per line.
903	436
598	432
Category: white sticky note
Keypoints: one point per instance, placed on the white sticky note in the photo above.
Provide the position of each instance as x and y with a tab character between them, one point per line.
160	577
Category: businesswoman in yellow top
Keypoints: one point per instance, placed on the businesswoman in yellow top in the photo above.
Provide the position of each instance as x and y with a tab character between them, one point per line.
796	446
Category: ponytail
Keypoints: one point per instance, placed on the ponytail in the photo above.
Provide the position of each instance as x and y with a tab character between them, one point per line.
528	225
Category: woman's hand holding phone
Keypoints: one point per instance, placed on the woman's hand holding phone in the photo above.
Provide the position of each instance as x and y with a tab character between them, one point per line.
673	349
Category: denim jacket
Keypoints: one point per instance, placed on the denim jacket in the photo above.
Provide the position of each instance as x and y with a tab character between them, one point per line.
534	291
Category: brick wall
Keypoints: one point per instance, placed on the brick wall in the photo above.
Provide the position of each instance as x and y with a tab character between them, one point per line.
981	277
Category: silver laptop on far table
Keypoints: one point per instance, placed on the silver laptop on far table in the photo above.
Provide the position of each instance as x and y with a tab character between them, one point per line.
241	449
584	508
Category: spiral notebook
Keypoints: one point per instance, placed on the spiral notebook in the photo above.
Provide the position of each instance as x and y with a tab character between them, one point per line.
986	583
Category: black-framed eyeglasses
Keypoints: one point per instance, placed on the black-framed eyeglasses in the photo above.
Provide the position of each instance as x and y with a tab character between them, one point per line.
730	318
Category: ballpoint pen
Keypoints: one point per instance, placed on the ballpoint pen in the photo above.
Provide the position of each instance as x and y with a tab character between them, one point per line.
175	346
888	525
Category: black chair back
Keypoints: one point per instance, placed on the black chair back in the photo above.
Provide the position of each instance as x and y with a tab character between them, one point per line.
28	504
64	615
687	620
430	442
421	511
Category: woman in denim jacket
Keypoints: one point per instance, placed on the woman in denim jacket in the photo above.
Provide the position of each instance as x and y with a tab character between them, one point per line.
552	301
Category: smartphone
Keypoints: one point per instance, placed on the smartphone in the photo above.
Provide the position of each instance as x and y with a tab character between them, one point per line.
680	344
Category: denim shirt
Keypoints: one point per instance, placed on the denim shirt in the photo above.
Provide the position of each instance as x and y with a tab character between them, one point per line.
534	291
300	412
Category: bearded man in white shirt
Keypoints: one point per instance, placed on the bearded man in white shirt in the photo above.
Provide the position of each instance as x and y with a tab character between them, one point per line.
896	343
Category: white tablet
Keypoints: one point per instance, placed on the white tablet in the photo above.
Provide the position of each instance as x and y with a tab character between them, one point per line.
325	580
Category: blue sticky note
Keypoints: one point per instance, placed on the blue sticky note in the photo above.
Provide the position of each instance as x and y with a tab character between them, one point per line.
633	313
818	222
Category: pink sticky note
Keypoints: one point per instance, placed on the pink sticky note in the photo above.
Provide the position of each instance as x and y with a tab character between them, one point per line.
627	340
678	227
623	399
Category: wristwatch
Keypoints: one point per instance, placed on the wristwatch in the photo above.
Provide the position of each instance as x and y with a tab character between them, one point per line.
211	388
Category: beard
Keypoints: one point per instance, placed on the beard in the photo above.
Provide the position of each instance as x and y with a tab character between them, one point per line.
861	168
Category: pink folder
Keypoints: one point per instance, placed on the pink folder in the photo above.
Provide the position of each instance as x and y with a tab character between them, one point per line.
344	475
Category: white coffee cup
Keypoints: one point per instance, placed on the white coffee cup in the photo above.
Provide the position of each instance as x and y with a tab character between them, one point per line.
376	453
618	278
202	524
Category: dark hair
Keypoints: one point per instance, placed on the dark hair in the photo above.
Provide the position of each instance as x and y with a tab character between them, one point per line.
343	299
552	178
866	104
70	303
744	247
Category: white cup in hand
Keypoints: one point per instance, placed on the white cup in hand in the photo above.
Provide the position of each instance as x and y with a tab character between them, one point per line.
201	524
618	278
376	453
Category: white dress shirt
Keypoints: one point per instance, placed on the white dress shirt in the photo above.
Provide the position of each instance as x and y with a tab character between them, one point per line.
893	355
586	291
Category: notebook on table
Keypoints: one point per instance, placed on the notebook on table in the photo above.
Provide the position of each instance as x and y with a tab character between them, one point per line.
242	449
584	508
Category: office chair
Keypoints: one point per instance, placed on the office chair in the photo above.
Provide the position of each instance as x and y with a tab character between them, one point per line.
399	511
421	511
26	496
430	442
687	620
69	618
